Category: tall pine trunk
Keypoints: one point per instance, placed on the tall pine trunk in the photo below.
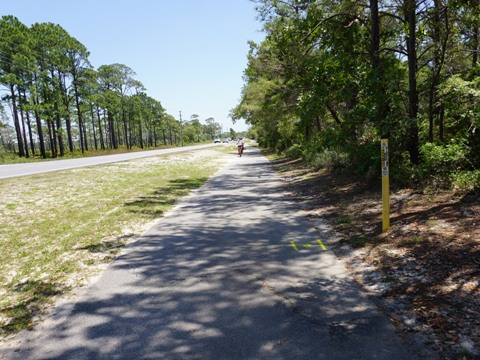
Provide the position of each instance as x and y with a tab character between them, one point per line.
131	128
58	118
92	117
440	48
106	126
53	141
84	127
140	131
475	33
59	130
79	114
38	122
154	135
111	130
117	128
125	128
381	108
66	103
22	121
29	125
100	130
413	137
16	122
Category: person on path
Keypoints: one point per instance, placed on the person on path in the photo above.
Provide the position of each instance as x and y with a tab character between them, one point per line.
240	146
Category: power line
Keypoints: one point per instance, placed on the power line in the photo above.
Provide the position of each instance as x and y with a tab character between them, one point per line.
14	47
16	66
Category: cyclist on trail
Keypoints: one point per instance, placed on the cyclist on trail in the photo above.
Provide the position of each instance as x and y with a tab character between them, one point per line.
240	146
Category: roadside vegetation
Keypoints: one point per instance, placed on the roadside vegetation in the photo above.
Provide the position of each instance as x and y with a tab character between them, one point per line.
332	78
424	272
59	229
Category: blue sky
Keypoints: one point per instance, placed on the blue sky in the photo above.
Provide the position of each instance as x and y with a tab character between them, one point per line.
189	54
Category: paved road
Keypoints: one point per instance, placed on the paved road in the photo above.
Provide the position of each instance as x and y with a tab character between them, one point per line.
220	277
15	170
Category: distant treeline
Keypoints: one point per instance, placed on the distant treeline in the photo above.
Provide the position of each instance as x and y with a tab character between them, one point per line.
60	104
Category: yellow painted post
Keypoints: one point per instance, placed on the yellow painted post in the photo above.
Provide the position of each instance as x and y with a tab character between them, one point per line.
385	186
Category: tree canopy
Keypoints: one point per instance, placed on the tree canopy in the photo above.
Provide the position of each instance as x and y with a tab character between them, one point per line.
333	77
59	103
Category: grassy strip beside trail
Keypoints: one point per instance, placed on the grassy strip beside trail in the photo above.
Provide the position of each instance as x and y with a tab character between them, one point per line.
58	229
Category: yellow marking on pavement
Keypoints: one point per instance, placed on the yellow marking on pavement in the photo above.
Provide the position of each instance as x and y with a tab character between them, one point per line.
294	245
321	245
307	245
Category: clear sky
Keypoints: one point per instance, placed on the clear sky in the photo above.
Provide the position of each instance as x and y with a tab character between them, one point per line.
189	54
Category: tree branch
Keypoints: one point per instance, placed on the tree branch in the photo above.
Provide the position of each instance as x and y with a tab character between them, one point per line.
324	21
334	114
403	52
392	16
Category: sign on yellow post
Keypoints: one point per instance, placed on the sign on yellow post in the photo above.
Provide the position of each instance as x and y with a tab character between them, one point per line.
385	186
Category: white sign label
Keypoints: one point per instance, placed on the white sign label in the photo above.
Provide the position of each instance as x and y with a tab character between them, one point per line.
384	158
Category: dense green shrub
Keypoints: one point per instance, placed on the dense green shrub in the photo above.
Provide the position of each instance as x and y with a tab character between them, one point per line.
441	163
295	151
402	172
365	158
330	159
464	181
316	156
7	157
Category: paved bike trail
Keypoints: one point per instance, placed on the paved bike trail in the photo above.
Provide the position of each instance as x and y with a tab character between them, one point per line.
234	271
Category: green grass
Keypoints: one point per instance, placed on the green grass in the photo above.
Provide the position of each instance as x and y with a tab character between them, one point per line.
346	219
414	241
57	229
358	241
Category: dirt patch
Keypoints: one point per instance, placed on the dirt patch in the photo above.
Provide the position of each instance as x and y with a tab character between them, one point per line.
424	272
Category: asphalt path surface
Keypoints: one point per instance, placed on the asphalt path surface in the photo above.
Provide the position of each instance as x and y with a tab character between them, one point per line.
234	271
14	170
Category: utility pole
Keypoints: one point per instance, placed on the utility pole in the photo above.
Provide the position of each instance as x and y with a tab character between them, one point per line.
181	135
